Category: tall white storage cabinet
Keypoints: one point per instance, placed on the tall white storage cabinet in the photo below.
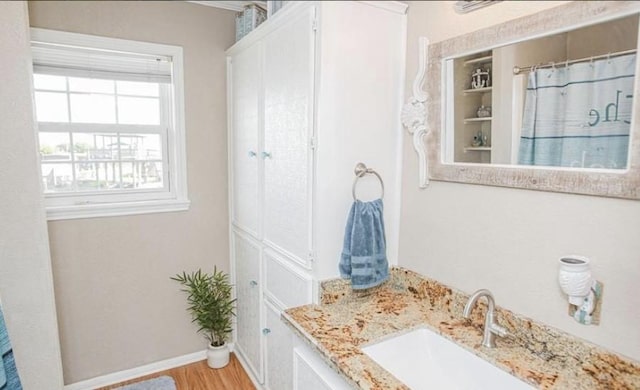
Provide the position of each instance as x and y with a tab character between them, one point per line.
314	90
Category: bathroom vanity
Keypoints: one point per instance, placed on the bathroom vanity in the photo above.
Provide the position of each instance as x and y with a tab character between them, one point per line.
537	356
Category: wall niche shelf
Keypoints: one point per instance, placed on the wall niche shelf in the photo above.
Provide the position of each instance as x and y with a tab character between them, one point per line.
477	149
471	120
479	60
477	90
469	71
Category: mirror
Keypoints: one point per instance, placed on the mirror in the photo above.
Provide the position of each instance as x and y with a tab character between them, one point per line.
435	116
562	100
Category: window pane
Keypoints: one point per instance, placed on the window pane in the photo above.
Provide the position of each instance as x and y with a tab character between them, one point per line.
129	146
45	81
57	177
90	108
77	84
138	111
142	174
98	176
138	88
51	107
95	146
141	146
54	147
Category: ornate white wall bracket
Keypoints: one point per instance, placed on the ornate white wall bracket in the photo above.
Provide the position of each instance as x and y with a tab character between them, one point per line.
414	113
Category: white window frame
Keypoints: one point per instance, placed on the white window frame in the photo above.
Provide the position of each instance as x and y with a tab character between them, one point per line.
75	205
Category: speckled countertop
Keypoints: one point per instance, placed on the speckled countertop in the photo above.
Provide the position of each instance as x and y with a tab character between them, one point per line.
539	355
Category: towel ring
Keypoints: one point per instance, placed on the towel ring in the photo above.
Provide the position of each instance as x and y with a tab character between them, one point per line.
361	170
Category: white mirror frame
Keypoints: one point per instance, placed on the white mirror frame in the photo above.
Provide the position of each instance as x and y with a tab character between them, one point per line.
423	114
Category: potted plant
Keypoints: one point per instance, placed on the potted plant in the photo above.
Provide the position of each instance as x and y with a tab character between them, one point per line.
212	308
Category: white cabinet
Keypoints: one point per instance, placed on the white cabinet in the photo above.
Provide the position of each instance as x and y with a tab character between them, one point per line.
311	373
288	101
244	156
285	284
246	253
279	344
313	90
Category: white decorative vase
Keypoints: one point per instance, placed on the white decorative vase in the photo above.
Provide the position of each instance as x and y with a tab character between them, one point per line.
218	357
575	278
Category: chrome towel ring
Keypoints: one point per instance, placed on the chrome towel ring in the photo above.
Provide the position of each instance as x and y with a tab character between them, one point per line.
360	171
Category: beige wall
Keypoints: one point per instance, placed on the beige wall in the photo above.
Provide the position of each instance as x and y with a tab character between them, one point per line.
26	285
116	305
509	240
611	37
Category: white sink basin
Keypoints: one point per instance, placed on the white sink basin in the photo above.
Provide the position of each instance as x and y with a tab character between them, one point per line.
422	359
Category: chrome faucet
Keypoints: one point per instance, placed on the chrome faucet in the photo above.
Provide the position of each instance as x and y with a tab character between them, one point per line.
491	329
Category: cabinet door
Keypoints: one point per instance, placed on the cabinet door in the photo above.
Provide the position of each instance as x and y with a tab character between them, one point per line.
288	127
279	351
311	373
245	108
247	279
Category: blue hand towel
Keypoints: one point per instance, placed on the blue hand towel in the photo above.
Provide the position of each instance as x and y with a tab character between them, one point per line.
364	253
9	379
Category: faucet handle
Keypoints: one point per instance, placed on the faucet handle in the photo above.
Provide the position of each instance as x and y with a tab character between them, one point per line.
498	330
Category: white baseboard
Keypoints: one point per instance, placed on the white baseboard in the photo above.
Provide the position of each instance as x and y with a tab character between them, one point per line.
125	375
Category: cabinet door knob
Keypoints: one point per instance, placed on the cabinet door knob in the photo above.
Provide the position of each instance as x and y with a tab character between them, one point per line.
253	283
266	331
266	155
252	153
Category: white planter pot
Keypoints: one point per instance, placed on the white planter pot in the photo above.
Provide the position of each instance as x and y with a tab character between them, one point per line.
218	357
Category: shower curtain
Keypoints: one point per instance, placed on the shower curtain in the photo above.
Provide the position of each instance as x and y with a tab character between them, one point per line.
579	115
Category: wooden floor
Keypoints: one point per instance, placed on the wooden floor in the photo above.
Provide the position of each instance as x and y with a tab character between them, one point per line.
198	376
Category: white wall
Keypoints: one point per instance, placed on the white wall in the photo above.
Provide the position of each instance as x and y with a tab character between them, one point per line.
26	285
348	114
509	240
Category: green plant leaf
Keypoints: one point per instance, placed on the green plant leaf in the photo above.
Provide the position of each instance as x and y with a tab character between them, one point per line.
210	303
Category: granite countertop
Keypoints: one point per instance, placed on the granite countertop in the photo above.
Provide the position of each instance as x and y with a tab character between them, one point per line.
540	355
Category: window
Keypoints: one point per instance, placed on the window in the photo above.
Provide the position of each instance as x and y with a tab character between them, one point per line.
110	125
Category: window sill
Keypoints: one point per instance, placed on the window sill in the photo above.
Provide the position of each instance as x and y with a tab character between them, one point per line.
99	210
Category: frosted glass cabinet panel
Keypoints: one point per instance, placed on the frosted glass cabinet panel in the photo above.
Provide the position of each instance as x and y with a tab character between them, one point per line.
279	350
247	271
245	99
284	283
288	101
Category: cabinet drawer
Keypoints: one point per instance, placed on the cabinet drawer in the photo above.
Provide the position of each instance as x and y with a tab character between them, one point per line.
285	285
